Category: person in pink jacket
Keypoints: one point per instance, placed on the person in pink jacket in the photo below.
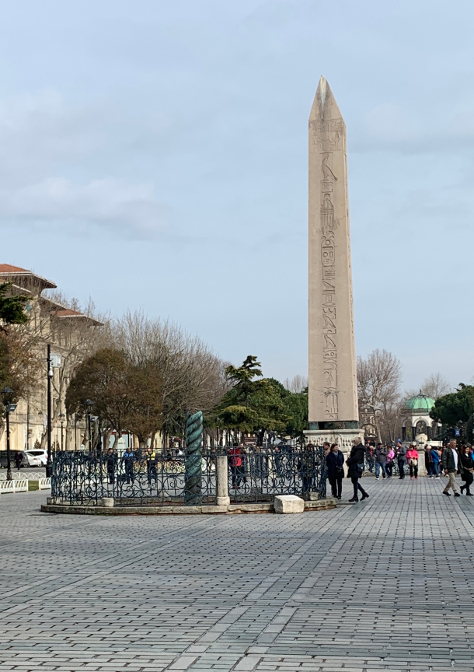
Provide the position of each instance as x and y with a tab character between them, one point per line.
412	457
389	463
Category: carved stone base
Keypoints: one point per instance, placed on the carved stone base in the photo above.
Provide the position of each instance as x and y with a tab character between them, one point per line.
343	437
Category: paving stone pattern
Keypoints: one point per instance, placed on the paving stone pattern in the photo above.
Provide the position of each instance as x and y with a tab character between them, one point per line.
383	585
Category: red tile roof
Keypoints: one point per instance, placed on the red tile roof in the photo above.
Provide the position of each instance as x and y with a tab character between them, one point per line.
68	312
8	268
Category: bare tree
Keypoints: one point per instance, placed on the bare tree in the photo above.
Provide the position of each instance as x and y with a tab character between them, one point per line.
297	384
433	386
193	377
378	381
436	386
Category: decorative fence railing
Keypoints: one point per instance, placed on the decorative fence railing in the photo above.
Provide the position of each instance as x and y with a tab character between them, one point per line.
13	486
24	485
22	475
253	474
258	474
80	478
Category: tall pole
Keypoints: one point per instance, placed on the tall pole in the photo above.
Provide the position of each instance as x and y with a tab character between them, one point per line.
9	468
49	466
27	442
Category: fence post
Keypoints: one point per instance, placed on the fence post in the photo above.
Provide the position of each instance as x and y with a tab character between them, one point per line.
222	474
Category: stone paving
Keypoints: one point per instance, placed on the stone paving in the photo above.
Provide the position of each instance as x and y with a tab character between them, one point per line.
383	585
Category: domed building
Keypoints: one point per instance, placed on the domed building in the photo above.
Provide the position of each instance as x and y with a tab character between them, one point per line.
417	424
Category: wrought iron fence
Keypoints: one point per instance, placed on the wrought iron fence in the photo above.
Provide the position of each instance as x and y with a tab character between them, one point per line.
257	474
81	478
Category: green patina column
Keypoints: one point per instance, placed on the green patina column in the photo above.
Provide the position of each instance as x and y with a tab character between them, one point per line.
193	474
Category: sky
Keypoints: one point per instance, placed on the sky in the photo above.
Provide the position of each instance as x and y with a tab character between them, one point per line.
153	156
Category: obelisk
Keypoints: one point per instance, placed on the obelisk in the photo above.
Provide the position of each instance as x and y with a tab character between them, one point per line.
333	408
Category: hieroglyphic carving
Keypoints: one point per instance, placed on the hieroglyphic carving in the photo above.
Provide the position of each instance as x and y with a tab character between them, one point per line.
328	262
327	133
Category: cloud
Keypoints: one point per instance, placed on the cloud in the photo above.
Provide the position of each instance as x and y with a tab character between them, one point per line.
414	131
106	202
39	131
41	136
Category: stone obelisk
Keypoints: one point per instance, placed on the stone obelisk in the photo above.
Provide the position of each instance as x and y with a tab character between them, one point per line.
333	409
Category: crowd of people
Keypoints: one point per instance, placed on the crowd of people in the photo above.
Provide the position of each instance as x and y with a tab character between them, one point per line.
272	465
381	459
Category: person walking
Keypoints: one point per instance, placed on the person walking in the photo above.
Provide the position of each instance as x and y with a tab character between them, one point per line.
151	472
401	453
380	460
110	465
369	454
128	459
433	462
236	465
427	457
467	464
355	462
18	460
389	464
450	461
412	457
335	470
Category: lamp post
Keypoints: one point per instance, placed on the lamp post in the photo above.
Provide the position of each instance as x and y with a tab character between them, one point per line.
9	408
89	405
61	418
49	465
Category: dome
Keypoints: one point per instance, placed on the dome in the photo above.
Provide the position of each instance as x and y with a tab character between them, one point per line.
420	403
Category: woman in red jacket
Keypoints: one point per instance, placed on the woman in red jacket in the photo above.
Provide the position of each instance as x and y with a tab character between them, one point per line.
412	457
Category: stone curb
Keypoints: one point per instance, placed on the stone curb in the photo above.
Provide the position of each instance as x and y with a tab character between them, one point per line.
322	504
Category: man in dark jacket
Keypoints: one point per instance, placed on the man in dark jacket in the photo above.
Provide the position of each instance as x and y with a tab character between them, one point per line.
110	464
128	460
401	453
355	462
335	470
380	460
451	464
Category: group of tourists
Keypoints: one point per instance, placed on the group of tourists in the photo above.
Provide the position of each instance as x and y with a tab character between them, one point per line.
382	460
125	465
335	469
458	462
451	460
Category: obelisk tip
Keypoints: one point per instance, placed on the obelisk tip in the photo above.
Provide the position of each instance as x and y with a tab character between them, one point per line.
321	91
324	102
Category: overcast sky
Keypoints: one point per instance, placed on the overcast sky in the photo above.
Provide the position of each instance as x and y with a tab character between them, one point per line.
153	154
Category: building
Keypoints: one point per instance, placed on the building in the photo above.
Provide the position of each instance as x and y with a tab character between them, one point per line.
72	335
417	424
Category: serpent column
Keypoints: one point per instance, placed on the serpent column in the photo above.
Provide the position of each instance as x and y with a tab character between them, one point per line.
193	472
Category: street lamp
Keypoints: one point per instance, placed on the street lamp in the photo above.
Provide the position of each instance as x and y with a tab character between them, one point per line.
61	418
9	408
89	405
49	465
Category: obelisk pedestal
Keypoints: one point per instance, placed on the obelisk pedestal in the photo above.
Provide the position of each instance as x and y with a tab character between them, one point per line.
332	389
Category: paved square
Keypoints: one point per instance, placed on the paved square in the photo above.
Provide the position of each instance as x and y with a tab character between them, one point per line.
384	585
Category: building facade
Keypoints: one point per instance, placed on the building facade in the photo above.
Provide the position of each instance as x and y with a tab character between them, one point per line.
71	335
